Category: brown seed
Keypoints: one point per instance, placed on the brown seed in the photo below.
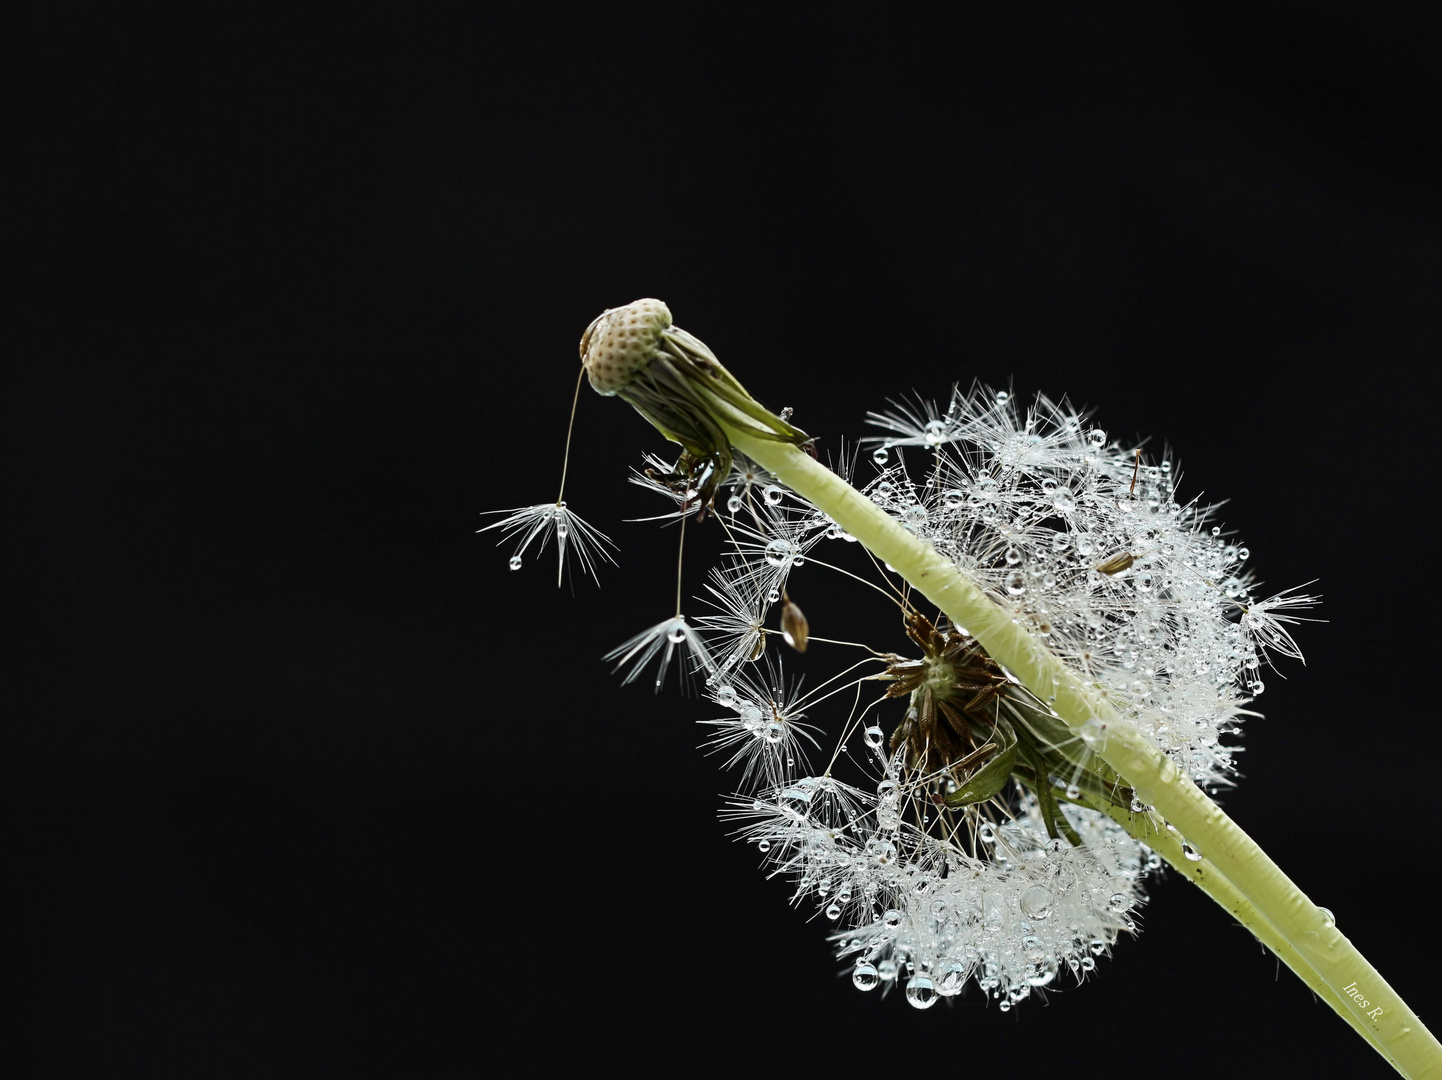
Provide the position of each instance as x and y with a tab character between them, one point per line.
794	627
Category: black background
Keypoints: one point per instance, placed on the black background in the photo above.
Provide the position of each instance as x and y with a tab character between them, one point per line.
304	782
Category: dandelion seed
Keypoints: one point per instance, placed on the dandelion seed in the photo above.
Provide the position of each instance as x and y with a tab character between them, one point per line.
663	640
739	624
1266	623
547	522
765	736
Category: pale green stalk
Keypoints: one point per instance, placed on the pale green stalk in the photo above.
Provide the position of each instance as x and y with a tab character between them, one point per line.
1233	870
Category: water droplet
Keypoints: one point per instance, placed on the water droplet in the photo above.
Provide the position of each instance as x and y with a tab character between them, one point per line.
515	562
881	852
1328	919
1063	502
914	515
1072	791
1119	903
1191	852
1094	734
1002	397
725	695
1036	902
864	977
879	455
833	912
1013	556
873	736
733	504
1138	806
773	494
950	977
774	595
1015	583
1097	437
986	833
887	969
779	552
892	919
562	531
1044	975
677	633
763	845
921	992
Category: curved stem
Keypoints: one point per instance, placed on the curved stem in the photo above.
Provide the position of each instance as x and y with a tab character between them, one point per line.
1234	871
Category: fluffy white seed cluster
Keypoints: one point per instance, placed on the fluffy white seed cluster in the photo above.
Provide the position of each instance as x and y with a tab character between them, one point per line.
1084	540
919	910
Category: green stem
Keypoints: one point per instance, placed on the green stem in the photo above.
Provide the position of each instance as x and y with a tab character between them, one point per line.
1235	871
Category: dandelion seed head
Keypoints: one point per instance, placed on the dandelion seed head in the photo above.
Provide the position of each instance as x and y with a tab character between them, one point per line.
621	341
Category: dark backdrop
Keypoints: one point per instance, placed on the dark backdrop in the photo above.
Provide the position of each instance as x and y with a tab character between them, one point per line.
304	782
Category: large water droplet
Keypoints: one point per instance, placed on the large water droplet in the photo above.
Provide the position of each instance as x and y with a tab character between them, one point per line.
734	503
864	977
950	977
879	455
1328	919
921	992
779	552
515	562
677	633
873	736
773	494
833	912
1036	902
